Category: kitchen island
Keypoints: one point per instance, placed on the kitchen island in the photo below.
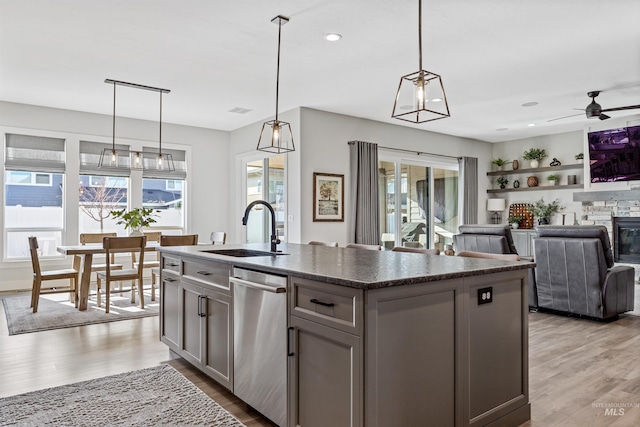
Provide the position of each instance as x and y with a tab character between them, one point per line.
372	338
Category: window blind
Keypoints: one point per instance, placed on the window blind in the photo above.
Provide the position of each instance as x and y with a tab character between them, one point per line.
90	157
34	153
150	159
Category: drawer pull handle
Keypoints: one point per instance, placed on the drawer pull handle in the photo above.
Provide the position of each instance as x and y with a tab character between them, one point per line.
325	304
169	279
204	273
173	265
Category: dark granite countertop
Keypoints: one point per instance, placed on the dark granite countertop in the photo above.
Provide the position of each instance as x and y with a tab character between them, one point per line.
357	268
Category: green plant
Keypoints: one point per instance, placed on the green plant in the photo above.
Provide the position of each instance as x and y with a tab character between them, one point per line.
579	156
135	218
503	181
553	177
499	161
513	219
543	211
535	154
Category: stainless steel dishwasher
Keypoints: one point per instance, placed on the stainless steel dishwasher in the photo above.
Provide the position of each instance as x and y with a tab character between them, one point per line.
260	342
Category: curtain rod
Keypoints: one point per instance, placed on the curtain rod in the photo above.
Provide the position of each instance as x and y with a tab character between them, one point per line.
412	151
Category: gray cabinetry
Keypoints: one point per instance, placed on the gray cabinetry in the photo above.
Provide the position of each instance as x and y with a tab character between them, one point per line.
170	311
325	355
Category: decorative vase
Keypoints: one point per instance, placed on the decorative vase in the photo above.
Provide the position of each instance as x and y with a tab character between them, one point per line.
516	183
515	165
543	221
532	181
515	225
502	186
553	181
534	163
136	232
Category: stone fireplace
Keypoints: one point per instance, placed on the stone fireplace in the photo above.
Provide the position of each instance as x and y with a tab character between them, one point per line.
626	239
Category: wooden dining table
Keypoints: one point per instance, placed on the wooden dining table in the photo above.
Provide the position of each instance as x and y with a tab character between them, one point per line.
87	252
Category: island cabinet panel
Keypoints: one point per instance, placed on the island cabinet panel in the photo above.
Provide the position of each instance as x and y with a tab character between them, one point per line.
411	355
210	273
497	348
325	376
170	311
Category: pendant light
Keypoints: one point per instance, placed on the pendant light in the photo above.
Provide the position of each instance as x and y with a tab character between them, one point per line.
121	158
276	136
420	96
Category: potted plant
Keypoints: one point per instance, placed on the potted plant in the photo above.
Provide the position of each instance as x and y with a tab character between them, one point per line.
535	155
543	211
514	221
135	219
499	162
503	182
580	157
553	179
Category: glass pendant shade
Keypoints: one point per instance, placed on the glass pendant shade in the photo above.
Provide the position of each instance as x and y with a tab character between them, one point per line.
420	98
276	137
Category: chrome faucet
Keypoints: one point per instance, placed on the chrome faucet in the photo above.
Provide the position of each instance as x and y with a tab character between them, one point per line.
274	237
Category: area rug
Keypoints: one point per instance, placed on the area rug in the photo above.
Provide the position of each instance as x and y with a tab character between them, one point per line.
158	396
55	312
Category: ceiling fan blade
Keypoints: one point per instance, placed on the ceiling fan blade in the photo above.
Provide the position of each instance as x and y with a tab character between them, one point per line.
565	117
603	116
629	107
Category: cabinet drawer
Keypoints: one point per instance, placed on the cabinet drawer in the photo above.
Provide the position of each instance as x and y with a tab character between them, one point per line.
336	306
170	263
212	273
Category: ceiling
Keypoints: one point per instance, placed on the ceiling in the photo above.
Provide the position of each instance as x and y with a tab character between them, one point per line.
214	56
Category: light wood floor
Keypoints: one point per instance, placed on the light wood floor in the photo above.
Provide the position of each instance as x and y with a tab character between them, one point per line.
575	365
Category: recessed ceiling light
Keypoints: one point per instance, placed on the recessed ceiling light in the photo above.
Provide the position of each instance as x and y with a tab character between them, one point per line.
530	104
502	129
332	37
531	124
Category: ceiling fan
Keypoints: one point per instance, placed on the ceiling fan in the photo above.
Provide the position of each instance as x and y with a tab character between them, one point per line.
595	111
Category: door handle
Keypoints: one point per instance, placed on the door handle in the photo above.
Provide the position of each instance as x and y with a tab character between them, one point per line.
201	308
289	352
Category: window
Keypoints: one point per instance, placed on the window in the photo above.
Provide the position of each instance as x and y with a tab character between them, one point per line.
271	171
101	190
164	190
418	204
33	194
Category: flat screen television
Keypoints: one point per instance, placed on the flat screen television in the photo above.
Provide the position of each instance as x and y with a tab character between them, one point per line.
614	154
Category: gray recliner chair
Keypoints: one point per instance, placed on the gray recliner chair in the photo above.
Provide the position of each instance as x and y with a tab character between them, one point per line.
575	272
493	239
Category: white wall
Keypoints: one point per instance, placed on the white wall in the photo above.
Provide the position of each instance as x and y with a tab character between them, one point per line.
207	156
324	139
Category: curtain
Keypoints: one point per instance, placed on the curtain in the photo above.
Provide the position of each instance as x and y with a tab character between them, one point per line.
34	153
468	186
364	226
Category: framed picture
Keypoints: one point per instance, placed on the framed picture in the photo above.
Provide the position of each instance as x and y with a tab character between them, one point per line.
328	197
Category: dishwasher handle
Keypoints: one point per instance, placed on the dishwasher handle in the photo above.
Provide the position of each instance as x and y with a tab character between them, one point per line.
274	289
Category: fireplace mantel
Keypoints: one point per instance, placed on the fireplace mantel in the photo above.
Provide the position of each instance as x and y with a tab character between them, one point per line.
594	196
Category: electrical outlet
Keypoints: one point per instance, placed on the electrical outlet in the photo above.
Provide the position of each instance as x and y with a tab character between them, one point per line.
485	295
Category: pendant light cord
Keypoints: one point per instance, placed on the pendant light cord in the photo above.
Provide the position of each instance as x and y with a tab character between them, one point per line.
113	138
420	35
160	137
278	68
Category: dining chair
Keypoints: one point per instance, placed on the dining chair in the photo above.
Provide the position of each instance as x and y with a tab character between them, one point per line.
363	246
152	261
183	240
317	243
433	251
39	276
489	255
218	237
113	245
97	238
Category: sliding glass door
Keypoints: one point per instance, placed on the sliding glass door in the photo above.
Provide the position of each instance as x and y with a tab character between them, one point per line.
265	181
418	204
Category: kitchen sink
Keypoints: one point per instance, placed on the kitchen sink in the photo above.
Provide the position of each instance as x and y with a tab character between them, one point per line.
242	252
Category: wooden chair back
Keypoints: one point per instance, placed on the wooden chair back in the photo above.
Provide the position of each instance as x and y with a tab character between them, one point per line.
35	261
363	246
133	244
218	237
184	240
433	251
94	237
317	243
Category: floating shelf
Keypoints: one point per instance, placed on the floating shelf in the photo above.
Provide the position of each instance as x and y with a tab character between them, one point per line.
536	170
537	188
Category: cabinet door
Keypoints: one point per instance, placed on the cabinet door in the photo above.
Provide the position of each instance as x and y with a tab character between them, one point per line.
170	311
191	329
325	376
217	360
